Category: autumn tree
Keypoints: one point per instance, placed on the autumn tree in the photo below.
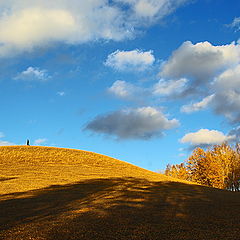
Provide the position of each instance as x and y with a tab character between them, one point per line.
177	171
218	166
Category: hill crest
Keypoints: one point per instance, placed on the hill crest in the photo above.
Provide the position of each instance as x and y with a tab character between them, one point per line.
33	167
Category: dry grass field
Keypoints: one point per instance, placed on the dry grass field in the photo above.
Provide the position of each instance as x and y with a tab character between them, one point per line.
62	194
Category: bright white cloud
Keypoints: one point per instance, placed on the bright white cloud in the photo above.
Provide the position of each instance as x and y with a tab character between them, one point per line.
125	90
201	61
194	107
33	26
137	123
40	23
130	60
169	87
33	74
205	137
27	24
40	141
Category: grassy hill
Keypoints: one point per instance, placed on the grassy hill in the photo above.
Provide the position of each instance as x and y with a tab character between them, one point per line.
53	193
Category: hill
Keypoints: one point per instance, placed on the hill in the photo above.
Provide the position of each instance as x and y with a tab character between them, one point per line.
53	193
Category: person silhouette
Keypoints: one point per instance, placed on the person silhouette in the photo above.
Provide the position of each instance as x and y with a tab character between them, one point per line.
28	142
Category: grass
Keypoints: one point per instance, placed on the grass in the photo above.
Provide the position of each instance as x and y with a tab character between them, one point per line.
63	194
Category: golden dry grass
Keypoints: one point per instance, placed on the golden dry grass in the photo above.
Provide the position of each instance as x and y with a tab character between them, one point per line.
53	193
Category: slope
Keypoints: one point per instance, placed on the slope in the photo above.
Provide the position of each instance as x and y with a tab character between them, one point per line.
24	168
52	193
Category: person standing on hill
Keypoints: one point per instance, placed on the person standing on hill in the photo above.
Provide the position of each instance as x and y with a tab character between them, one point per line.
28	142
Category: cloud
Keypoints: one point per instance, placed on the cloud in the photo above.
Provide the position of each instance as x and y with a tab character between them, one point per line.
130	60
205	137
40	141
33	26
197	71
200	62
235	132
61	94
169	87
228	104
127	91
153	9
194	107
227	97
137	123
27	24
228	79
209	70
33	74
4	143
36	24
235	24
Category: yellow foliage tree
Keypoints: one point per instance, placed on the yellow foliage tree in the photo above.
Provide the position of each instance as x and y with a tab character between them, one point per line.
217	167
212	167
177	171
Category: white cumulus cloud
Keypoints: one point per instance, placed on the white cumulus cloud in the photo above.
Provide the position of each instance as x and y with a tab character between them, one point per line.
136	123
210	70
169	87
27	24
229	79
227	97
33	74
194	107
130	60
205	137
125	90
201	61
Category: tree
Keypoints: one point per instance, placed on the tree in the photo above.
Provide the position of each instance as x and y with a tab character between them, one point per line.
218	166
177	171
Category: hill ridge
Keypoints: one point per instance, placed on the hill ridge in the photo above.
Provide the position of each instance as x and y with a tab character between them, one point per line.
33	167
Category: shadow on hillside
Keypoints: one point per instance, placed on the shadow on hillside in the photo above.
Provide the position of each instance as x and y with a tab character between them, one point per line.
3	179
121	209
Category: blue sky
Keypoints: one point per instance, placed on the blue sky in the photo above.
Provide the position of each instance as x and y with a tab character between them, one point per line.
144	81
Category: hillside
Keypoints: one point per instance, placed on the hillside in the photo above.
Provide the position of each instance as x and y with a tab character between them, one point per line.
27	168
53	193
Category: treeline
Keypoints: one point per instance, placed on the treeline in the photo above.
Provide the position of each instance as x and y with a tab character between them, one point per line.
218	166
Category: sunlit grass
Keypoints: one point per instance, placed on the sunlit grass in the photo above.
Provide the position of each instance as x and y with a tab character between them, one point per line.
32	167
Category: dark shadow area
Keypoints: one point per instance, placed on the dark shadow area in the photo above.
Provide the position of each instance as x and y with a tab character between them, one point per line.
2	179
121	209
